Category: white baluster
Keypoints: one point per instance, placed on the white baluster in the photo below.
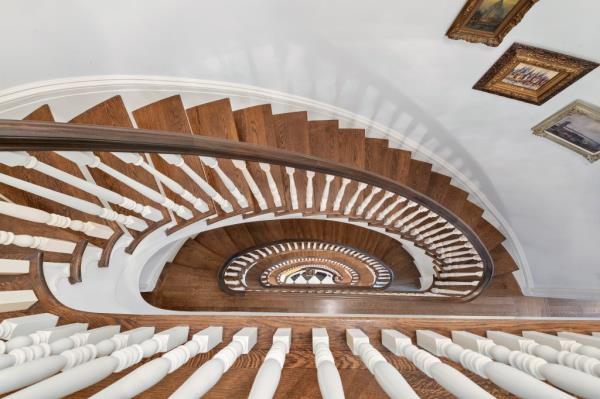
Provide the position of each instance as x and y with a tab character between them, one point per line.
92	371
177	160
22	158
293	190
461	239
378	204
241	165
265	167
12	301
565	378
151	373
416	232
388	378
367	200
467	274
506	377
325	194
309	188
390	207
330	383
564	351
337	203
399	212
400	223
211	372
138	160
24	325
478	265
90	160
267	378
448	377
455	283
14	266
41	243
430	236
450	292
417	222
586	340
36	345
354	198
227	182
75	203
51	219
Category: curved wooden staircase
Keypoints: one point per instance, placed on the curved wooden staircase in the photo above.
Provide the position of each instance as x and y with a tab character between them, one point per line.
258	187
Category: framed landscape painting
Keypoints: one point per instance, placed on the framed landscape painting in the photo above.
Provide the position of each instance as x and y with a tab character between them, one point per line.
532	75
577	127
488	21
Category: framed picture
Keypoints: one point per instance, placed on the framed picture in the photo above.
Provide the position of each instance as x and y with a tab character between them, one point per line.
488	21
532	75
577	126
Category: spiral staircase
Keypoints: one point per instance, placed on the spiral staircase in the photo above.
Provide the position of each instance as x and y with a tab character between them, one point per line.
248	211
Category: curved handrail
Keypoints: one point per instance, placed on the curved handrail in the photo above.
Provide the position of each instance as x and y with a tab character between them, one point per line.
55	136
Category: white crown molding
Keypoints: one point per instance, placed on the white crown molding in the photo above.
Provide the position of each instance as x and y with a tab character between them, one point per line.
33	93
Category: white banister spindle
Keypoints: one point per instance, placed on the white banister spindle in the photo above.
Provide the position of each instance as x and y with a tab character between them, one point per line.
325	193
77	374
330	383
402	222
93	371
254	189
211	372
227	182
409	205
337	202
415	223
508	349
310	176
36	345
75	203
388	378
378	204
59	345
138	160
22	158
36	242
361	187
88	159
151	373
12	301
293	190
417	232
266	168
177	160
586	340
267	378
390	207
24	325
432	235
561	350
448	377
438	246
506	377
365	203
51	219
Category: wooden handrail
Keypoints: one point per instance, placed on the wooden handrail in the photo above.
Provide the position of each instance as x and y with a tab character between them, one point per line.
54	136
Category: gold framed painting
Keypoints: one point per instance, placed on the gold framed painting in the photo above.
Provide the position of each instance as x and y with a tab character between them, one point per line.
488	21
577	127
532	75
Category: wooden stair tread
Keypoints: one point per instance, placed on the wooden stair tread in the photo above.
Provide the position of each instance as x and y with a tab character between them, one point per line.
291	130
419	175
215	119
503	262
113	112
169	115
324	141
255	126
488	234
438	186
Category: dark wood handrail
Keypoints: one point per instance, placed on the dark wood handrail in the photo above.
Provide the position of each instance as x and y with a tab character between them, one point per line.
54	136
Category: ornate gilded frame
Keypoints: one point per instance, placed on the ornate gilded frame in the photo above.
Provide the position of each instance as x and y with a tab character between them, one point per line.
459	30
576	107
570	69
